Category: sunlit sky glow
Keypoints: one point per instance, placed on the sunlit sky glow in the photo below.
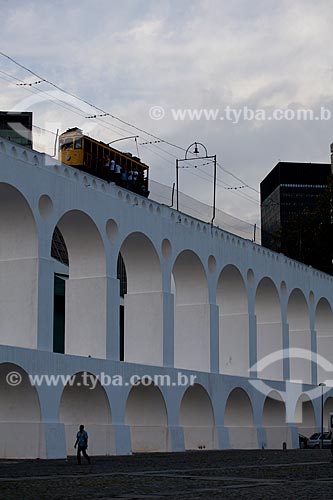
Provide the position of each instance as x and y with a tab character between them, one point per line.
128	56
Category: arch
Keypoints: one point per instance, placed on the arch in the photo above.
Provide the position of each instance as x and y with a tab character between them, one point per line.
274	421
324	330
21	433
231	293
143	301
142	263
146	414
85	290
84	244
190	279
305	415
269	328
18	269
59	252
231	297
197	419
192	313
298	311
267	302
328	409
298	318
238	417
274	412
84	401
58	247
17	224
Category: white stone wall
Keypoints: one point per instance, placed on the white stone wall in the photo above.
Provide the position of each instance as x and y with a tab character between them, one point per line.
199	300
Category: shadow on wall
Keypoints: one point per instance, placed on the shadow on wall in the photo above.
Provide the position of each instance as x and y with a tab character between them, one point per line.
197	419
238	418
146	415
22	434
274	421
82	405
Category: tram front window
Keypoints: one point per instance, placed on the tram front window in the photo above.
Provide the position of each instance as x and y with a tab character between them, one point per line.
66	144
78	143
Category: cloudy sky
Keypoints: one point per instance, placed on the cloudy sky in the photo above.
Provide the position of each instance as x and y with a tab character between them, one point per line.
126	57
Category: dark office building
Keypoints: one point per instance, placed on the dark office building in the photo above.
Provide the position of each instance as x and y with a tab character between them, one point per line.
286	193
16	127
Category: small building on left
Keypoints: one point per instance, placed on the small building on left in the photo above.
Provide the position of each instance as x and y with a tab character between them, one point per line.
16	126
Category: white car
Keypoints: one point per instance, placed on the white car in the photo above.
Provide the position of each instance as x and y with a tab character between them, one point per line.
314	441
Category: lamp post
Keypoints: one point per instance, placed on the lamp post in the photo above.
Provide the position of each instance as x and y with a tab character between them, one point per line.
203	157
322	385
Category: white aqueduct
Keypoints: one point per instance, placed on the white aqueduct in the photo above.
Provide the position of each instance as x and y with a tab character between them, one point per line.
253	327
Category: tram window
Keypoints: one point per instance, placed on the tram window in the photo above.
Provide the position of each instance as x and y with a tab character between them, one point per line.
66	144
78	143
93	149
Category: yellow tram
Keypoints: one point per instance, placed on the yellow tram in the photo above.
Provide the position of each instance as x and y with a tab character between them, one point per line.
99	159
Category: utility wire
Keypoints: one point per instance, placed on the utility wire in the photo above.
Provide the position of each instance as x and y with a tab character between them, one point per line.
157	139
63	104
242	195
66	105
79	112
105	113
71	94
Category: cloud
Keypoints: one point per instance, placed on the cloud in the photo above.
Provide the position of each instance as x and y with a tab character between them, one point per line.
128	56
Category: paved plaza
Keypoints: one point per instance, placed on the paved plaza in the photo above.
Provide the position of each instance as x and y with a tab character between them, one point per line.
222	475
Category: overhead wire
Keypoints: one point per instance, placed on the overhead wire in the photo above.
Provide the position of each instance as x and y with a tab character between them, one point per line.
219	183
78	111
29	84
44	129
106	113
242	195
188	166
71	94
66	105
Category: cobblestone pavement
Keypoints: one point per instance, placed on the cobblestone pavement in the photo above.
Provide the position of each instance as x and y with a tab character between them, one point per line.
204	475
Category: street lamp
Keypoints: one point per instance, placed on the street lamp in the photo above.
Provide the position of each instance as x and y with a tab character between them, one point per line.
204	156
322	385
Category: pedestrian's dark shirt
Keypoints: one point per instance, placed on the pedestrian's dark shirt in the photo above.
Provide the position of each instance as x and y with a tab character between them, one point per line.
82	438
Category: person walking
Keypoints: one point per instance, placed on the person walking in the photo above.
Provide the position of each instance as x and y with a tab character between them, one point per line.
82	444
